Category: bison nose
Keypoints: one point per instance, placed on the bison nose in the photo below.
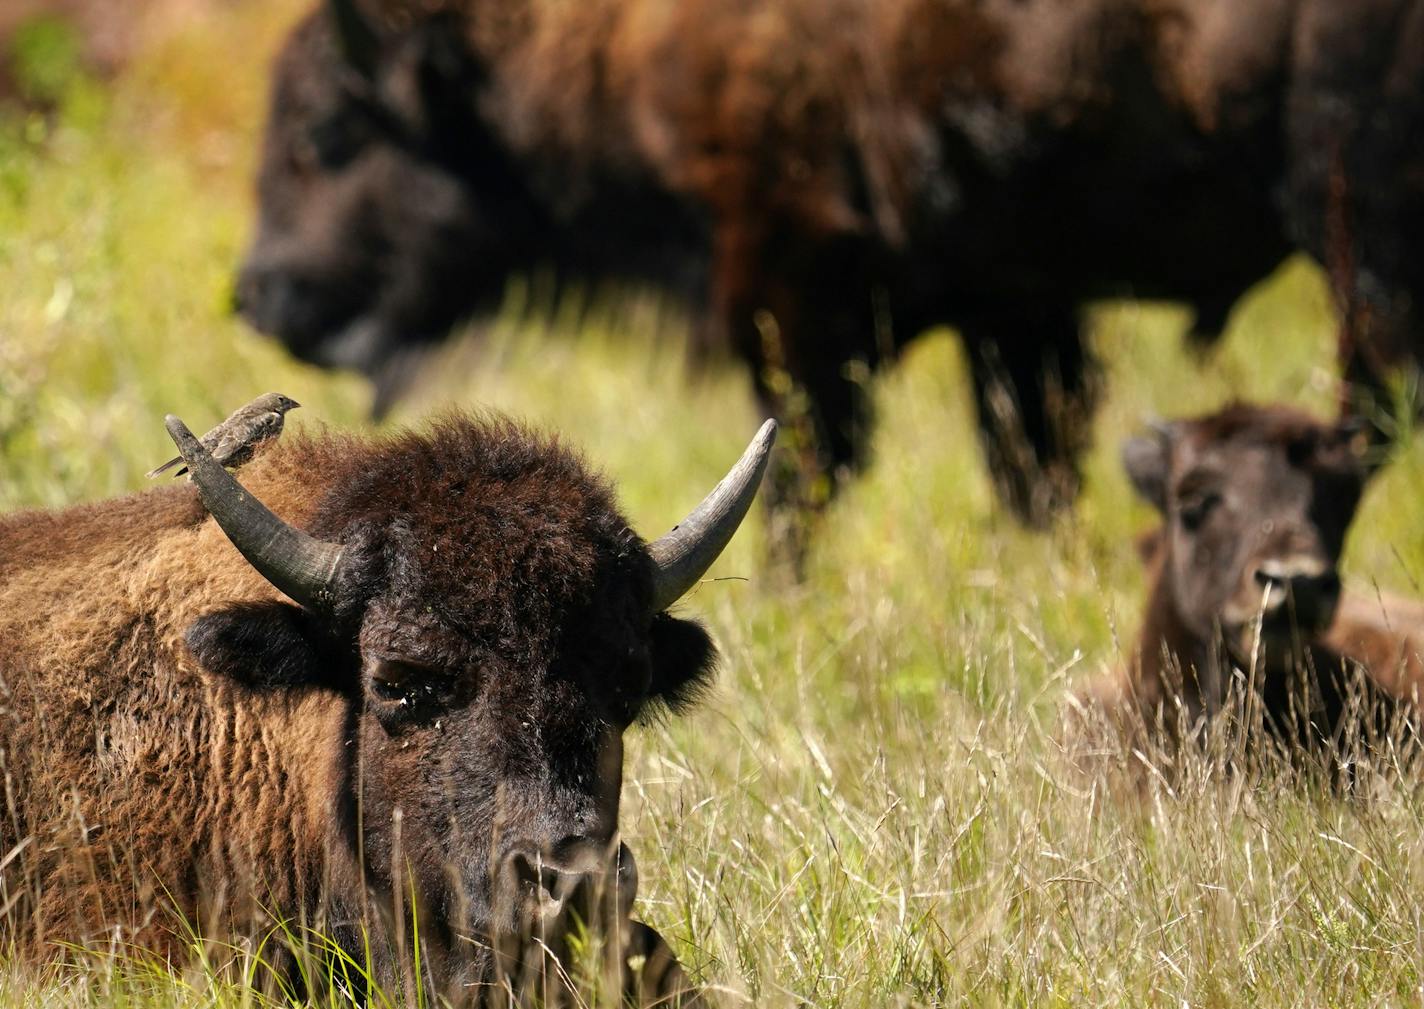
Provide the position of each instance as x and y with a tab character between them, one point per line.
578	875
1311	587
543	898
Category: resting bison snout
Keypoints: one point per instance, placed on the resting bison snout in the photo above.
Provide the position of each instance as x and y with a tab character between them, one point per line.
1302	590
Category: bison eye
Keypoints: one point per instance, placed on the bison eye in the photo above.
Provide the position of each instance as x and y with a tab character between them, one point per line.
338	138
1194	510
398	683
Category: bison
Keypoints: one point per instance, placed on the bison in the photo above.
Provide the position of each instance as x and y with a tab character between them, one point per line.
1245	597
825	180
396	711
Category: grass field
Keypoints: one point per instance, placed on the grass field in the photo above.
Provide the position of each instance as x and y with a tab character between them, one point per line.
871	809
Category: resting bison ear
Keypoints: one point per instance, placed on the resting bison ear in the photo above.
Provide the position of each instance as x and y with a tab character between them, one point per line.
355	36
1146	459
1150	545
683	660
267	644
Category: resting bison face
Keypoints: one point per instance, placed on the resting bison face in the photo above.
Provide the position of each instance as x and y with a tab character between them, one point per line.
1256	502
499	626
385	206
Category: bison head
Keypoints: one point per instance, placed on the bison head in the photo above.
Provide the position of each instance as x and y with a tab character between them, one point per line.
1255	502
387	208
496	627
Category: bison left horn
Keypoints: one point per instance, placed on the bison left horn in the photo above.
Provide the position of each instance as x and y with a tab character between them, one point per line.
299	565
683	555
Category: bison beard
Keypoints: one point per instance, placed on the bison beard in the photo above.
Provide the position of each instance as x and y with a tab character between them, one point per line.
430	743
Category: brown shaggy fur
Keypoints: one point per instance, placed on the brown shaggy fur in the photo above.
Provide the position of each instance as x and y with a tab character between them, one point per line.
176	736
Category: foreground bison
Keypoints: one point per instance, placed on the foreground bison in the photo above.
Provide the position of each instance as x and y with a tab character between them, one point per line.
403	711
1245	596
829	179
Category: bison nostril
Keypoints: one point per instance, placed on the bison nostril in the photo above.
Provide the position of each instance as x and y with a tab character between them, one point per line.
1316	588
1266	579
1306	585
573	856
1271	575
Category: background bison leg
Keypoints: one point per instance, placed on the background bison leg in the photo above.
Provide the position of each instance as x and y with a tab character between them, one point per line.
1035	397
1355	189
819	393
809	333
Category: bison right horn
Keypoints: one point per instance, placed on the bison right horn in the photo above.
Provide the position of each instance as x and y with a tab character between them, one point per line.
299	565
682	556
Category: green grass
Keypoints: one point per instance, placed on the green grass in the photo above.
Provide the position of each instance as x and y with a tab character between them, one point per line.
871	810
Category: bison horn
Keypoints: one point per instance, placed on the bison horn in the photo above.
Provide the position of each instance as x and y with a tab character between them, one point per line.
683	555
355	36
302	567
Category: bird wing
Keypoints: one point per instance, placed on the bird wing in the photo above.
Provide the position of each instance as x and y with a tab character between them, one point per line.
236	443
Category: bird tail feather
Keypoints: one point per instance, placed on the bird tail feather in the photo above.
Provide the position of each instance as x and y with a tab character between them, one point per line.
151	474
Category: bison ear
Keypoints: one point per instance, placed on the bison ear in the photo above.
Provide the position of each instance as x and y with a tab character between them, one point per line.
434	76
683	659
1149	545
265	644
1146	459
355	36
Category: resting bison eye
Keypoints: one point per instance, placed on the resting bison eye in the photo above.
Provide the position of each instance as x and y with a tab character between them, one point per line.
1194	510
338	138
401	690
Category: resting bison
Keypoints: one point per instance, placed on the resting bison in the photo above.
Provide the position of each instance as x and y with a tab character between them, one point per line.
407	712
828	179
1255	503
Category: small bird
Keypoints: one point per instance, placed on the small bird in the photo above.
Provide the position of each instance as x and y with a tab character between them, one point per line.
234	440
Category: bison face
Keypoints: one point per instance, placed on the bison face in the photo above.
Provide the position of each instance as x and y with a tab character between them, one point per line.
385	204
495	627
493	711
1256	503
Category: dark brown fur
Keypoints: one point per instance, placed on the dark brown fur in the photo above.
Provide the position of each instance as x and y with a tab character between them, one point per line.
829	178
179	737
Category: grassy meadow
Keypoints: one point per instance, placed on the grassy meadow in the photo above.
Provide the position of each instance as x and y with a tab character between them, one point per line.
872	809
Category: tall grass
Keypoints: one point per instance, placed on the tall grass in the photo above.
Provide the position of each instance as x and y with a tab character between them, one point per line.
873	808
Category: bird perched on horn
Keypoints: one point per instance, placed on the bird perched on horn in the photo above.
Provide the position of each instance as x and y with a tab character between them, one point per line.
233	441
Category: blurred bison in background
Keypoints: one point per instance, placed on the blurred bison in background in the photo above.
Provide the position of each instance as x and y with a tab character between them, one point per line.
828	178
1245	599
402	719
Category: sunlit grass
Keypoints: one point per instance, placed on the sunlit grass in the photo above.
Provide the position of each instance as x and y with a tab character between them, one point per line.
871	809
